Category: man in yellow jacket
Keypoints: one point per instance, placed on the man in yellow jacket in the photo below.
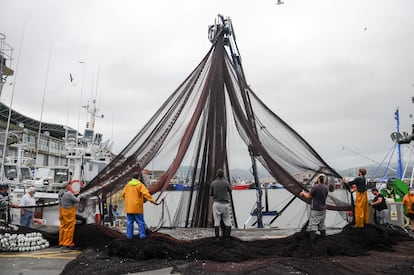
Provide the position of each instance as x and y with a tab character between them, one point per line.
134	193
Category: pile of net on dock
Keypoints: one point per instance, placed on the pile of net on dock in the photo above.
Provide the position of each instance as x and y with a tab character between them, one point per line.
350	242
105	250
160	250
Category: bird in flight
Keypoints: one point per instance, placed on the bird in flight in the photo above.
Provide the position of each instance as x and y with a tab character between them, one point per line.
71	79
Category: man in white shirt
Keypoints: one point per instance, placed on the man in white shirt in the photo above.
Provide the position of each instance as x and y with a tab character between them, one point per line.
27	213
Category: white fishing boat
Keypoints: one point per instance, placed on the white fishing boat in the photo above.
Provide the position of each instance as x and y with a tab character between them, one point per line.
86	156
68	158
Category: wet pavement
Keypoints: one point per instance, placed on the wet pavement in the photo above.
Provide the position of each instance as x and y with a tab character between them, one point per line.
47	261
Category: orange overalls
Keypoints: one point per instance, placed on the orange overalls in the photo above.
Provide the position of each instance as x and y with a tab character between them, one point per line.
67	217
361	209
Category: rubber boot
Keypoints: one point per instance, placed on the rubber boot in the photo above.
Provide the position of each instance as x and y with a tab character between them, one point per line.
323	233
223	228
217	232
312	238
227	232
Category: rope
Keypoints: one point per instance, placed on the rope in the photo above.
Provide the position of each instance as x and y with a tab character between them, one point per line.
159	226
305	213
47	204
161	222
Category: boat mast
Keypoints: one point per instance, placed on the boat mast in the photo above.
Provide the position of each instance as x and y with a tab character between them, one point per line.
399	168
5	56
4	72
93	111
43	104
229	37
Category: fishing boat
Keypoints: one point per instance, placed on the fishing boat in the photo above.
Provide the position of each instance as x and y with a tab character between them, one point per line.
49	157
275	185
180	186
240	185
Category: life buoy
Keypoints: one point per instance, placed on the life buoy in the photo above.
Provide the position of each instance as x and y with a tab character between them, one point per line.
97	218
75	186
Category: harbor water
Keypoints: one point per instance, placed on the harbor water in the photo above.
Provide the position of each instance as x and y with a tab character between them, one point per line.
293	217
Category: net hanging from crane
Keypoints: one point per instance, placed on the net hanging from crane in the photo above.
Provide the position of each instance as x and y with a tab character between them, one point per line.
214	120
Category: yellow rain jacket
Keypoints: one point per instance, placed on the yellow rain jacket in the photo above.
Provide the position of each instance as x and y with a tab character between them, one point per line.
408	199
134	193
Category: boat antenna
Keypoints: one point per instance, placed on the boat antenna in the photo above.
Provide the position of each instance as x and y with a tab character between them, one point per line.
43	102
97	82
80	100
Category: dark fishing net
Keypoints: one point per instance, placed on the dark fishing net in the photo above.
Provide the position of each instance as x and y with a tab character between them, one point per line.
159	250
369	250
214	120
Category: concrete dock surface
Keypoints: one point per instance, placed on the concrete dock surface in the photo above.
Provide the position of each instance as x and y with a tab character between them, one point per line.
49	261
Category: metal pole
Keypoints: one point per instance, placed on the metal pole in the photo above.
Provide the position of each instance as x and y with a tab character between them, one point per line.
399	169
259	193
10	108
43	104
2	38
80	100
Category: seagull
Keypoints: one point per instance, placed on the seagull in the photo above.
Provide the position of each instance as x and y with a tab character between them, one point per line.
71	79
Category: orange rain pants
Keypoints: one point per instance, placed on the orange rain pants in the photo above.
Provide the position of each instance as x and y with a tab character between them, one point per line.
361	209
67	217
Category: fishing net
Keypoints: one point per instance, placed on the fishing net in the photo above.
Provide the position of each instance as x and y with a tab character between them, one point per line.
104	250
261	256
214	120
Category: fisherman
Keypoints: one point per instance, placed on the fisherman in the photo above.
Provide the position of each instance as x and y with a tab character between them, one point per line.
67	216
361	203
380	206
5	202
408	201
115	212
220	190
318	194
134	193
27	213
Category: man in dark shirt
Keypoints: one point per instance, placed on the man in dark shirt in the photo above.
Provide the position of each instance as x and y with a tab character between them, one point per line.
361	198
5	203
380	206
318	194
220	190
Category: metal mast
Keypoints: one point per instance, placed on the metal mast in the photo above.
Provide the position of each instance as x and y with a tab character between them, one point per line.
223	29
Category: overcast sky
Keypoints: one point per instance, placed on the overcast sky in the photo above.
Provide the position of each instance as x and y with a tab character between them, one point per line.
333	70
